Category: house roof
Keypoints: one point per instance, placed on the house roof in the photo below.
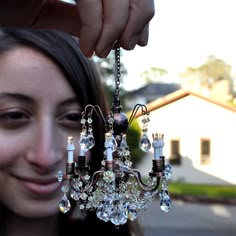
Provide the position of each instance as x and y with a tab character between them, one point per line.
159	89
163	101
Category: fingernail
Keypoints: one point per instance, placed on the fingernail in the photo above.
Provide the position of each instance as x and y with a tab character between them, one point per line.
90	54
105	52
133	41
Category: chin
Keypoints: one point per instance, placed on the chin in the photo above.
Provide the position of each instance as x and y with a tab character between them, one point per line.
36	209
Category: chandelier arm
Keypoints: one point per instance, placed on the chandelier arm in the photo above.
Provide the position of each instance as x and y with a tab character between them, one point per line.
135	110
96	107
89	106
141	184
140	177
84	181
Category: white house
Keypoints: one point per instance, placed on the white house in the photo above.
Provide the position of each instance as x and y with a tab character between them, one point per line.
200	137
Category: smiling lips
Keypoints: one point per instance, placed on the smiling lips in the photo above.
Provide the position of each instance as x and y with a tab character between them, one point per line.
40	187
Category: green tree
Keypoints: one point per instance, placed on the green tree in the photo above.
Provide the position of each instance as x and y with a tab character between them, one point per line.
133	138
209	73
153	75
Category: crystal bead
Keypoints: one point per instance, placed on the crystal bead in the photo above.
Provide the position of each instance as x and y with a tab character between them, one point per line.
64	205
60	176
90	198
83	196
114	144
83	121
110	120
90	120
120	215
88	206
75	195
104	213
132	215
128	163
103	162
109	176
145	120
164	185
65	188
168	172
145	143
77	185
87	177
123	143
124	167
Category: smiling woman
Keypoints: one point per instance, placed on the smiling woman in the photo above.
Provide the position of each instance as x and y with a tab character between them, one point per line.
45	82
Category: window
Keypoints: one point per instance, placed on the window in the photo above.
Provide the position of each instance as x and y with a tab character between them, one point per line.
205	151
175	158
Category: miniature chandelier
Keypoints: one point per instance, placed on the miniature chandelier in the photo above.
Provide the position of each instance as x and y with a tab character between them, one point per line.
116	192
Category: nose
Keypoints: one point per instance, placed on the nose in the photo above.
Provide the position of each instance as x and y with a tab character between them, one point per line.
47	150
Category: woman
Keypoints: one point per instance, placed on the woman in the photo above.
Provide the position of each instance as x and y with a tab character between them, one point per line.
45	82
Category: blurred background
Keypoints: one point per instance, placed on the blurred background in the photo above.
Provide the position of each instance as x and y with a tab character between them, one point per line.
187	78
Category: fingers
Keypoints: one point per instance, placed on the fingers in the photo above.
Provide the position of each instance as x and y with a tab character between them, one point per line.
143	39
105	22
116	14
137	29
102	22
91	19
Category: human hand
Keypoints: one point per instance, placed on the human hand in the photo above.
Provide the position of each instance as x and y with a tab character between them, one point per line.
98	23
106	22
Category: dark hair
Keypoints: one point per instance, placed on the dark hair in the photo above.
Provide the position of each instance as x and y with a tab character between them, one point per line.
82	76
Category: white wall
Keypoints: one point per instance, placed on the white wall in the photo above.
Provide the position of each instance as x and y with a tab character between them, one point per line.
189	119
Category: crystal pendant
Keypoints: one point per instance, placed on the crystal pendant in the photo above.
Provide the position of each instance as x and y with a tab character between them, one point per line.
86	142
145	143
64	205
75	195
91	141
133	214
165	202
60	176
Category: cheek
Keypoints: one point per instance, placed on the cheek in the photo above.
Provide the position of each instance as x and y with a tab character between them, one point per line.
12	146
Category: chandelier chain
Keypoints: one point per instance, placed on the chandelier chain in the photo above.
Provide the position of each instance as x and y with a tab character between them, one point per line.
118	73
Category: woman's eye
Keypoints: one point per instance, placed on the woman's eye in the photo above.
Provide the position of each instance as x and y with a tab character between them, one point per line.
14	119
73	117
70	120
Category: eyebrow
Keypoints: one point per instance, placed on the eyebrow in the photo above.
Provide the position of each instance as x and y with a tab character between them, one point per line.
25	98
69	101
17	96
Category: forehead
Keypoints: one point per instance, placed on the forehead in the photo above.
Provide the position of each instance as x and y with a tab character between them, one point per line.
27	70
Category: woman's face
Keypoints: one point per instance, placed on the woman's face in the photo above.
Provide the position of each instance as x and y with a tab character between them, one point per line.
38	111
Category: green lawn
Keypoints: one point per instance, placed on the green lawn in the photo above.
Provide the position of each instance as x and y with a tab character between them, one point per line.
209	191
